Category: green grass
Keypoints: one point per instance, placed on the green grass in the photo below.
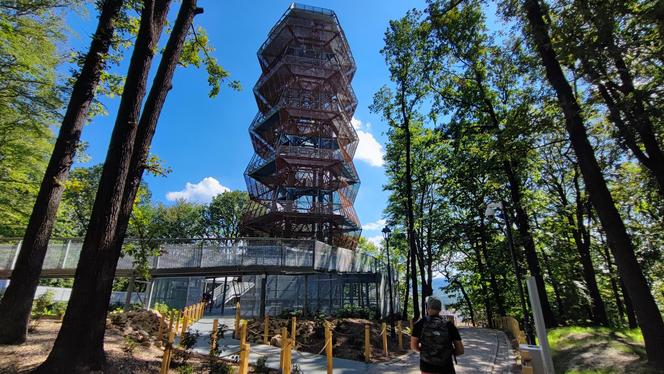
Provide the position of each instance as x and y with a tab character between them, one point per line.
591	350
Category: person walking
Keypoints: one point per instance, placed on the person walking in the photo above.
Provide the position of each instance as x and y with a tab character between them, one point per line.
437	340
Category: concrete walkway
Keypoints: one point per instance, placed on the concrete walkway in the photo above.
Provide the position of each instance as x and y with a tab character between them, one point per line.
487	351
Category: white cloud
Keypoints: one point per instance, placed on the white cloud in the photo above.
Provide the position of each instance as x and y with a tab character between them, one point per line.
378	225
377	240
201	192
368	149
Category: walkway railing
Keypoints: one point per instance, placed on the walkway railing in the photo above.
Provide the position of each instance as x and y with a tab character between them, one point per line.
198	256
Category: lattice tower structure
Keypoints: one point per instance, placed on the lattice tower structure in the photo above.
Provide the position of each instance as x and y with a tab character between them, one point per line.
301	179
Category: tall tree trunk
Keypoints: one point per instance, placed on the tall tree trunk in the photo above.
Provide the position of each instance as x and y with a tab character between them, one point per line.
412	245
467	300
582	240
161	86
522	221
647	312
554	284
629	308
481	270
523	225
17	301
614	283
404	312
80	342
495	289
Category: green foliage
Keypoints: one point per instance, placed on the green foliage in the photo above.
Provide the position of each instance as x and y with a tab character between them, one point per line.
218	366
288	313
187	343
197	51
30	101
41	306
163	309
222	217
129	346
185	369
352	311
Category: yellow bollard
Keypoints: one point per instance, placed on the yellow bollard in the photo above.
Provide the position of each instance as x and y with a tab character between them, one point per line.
293	330
385	339
400	330
367	343
266	330
213	337
237	321
328	347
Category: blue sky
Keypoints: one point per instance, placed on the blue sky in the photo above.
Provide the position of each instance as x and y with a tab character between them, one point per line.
205	141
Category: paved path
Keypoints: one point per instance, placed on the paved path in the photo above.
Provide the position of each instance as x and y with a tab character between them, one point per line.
487	352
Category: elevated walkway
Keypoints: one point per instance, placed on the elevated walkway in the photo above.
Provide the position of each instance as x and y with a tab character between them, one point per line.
210	257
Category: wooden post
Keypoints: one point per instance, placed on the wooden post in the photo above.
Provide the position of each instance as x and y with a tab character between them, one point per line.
400	329
237	321
177	321
288	361
328	347
213	337
282	357
384	332
185	322
293	329
171	317
367	343
243	332
166	359
244	359
266	330
160	333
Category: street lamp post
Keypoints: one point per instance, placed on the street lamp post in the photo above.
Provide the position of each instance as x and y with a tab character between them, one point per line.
490	212
386	235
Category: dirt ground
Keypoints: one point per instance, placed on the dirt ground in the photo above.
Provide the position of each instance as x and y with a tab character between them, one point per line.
145	357
347	337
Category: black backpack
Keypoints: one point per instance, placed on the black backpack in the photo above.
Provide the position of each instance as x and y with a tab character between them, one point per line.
436	348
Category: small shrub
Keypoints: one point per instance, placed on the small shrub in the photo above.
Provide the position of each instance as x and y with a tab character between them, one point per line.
261	365
291	313
351	311
59	308
129	346
187	342
163	309
42	304
217	366
189	339
185	369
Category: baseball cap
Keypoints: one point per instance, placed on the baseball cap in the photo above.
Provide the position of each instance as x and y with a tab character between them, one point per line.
434	303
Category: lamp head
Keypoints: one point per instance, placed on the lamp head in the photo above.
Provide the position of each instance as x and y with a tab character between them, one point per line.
386	232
